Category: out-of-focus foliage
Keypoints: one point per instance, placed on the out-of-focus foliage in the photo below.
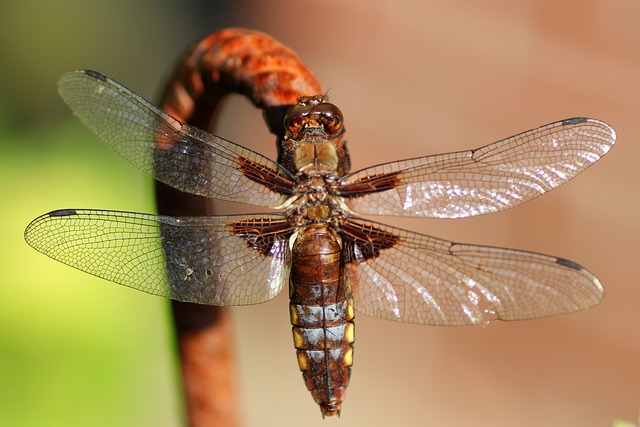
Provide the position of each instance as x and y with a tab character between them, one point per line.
76	350
49	312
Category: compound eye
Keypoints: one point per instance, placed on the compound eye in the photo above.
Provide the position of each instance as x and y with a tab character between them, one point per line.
295	117
332	120
331	117
323	113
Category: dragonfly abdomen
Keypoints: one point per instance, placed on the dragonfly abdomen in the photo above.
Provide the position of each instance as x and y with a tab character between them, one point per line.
322	316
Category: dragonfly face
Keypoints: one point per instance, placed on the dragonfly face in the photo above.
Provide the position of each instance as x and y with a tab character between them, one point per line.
313	141
334	262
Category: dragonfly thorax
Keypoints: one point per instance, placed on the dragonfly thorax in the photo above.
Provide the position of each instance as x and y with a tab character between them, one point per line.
315	201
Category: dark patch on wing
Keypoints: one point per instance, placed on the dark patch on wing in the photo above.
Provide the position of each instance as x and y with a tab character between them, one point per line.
96	75
574	120
63	212
369	184
570	264
265	176
261	233
362	242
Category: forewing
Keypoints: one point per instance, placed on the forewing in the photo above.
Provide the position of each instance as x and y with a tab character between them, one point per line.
489	179
408	277
175	153
218	260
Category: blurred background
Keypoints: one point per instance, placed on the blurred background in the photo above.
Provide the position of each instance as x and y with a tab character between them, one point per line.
412	78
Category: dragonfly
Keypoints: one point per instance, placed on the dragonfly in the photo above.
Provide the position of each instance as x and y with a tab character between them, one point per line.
333	261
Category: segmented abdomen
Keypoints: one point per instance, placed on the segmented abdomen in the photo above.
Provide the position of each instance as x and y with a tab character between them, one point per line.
322	316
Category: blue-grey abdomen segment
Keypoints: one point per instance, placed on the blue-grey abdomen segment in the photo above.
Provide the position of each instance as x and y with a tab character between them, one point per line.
322	316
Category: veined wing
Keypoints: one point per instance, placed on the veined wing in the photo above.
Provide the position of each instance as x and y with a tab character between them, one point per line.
489	179
408	277
173	152
218	260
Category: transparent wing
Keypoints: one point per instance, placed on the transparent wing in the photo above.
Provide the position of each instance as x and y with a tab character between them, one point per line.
489	179
408	277
175	153
218	260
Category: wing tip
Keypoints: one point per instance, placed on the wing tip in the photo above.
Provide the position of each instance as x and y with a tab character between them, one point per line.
31	231
597	288
70	76
606	127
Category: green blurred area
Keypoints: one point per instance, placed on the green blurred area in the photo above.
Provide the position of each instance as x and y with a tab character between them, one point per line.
64	359
76	350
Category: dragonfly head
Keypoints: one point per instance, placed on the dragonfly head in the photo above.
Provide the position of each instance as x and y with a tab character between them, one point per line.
312	117
313	142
